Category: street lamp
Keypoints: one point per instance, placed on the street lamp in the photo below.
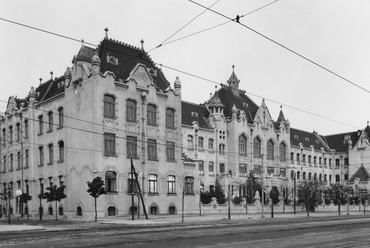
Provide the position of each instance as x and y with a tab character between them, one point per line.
18	112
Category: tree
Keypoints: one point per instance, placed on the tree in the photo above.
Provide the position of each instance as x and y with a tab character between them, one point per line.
309	193
96	188
55	194
6	195
339	194
219	193
24	198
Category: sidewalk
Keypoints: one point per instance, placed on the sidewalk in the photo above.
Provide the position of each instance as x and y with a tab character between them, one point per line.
65	224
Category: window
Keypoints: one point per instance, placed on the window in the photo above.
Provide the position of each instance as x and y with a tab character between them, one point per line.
337	162
109	106
346	161
61	183
283	172
270	150
111	211
222	149
210	144
51	154
11	162
325	177
60	117
304	158
309	159
282	150
50	182
201	168
152	114
257	169
270	170
320	160
309	176
50	117
257	147
337	178
170	118
131	110
4	137
325	161
110	181
330	162
314	160
26	129
19	160
18	132
222	168
4	161
131	184
189	185
152	149
11	134
131	147
329	178
170	151
210	169
171	183
153	184
314	176
242	145
109	144
61	151
292	157
242	170
190	142
200	143
298	158
292	175
41	124
304	175
41	186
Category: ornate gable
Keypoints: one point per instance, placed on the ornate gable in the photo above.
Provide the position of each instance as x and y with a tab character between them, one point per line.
263	116
361	174
141	76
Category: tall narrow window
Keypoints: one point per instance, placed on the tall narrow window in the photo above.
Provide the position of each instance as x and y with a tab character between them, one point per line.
152	179
4	161
171	183
210	169
4	137
18	132
50	117
109	106
200	143
190	142
131	184
110	181
26	129
210	144
131	110
27	154
131	147
201	168
60	117
189	185
152	149
170	118
61	151
11	134
222	168
170	151
242	145
242	170
109	144
222	149
152	114
51	154
11	162
19	160
270	170
257	147
282	151
41	124
270	150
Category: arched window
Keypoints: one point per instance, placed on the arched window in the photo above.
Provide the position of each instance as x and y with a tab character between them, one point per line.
298	158
292	157
309	176
172	210
242	145
61	211
282	150
153	210
304	175
79	211
171	183
131	110
210	144
270	149
200	143
111	211
50	211
292	174
298	175
257	147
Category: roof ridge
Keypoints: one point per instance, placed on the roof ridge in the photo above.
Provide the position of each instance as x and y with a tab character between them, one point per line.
198	104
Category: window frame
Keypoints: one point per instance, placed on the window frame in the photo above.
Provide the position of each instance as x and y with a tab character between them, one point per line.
171	184
170	118
257	147
109	144
243	145
170	151
189	185
131	146
131	110
110	181
151	115
109	107
153	184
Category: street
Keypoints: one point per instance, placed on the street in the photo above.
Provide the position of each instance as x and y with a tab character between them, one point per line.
334	231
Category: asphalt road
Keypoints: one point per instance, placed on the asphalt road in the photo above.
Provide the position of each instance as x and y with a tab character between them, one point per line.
340	231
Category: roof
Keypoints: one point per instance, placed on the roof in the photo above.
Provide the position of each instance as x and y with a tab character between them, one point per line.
338	142
307	139
85	54
121	59
229	97
361	174
50	89
194	112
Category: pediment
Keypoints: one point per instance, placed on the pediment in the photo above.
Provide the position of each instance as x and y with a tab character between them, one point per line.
263	115
141	76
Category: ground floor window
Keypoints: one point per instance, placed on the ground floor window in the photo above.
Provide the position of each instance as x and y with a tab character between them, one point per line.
153	210
61	212
79	211
111	211
134	209
50	211
172	210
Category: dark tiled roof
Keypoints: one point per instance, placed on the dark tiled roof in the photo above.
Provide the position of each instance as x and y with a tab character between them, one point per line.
338	143
281	117
124	58
85	54
50	89
307	139
230	97
361	174
194	112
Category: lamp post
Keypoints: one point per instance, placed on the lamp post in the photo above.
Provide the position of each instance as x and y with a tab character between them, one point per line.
20	114
294	180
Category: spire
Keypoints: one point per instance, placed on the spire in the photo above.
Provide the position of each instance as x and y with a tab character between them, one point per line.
281	117
215	101
106	33
233	81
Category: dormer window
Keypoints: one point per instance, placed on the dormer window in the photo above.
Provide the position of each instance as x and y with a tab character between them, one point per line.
245	104
306	139
194	114
317	142
295	136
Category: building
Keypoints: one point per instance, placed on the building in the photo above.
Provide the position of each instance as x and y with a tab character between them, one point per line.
114	106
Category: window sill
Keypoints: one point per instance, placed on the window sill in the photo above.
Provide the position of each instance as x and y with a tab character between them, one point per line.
190	194
60	161
211	175
211	151
190	149
110	155
49	131
11	170
153	194
133	157
60	127
171	128
110	117
153	159
201	150
39	134
171	161
50	163
18	169
112	193
201	174
27	167
171	194
40	165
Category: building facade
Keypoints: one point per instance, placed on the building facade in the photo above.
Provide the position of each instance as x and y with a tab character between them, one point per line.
114	108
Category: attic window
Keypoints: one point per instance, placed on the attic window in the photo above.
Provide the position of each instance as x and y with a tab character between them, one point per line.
317	142
306	139
245	104
153	72
296	136
194	114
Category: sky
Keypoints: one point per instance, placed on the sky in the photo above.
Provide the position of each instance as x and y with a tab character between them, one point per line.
333	34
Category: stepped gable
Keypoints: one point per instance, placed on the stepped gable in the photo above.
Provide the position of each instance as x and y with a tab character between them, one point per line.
338	142
191	112
307	139
229	97
361	174
121	59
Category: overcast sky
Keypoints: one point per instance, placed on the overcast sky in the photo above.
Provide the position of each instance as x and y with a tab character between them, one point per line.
333	33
